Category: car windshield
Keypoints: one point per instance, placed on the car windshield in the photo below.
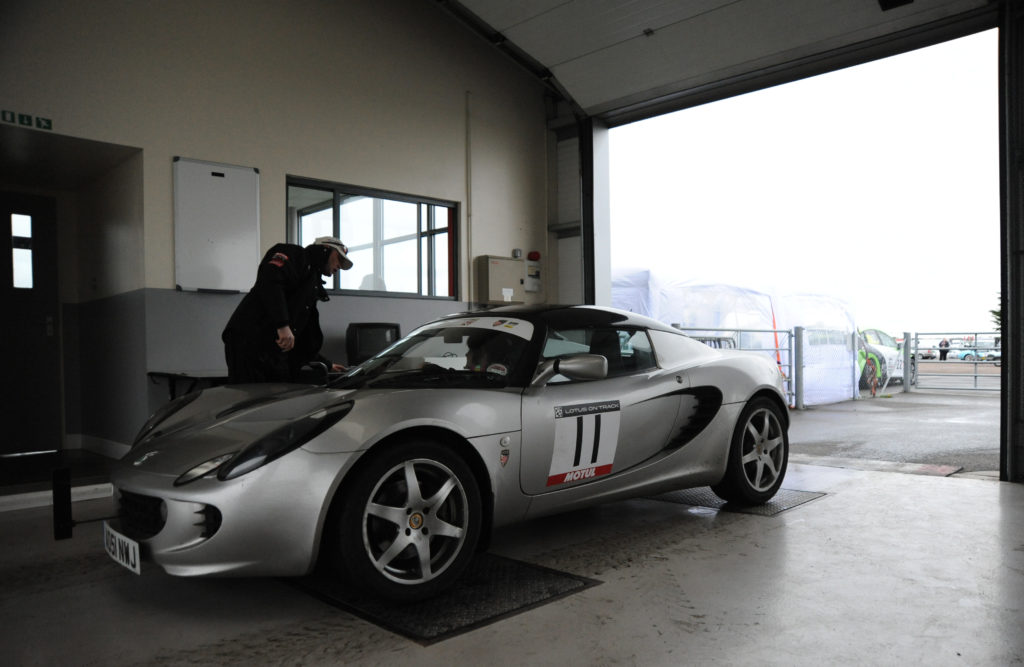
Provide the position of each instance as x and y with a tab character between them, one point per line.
466	353
876	337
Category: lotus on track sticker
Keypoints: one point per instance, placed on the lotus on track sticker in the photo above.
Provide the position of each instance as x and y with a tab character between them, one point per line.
586	436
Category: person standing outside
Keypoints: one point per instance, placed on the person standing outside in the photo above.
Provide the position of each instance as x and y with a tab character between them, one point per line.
943	349
275	329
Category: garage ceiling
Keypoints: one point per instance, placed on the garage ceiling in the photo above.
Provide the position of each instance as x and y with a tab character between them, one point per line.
621	60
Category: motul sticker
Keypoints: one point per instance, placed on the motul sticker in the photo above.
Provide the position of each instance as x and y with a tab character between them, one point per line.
586	436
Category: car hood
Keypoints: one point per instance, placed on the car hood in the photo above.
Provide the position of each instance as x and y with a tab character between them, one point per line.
223	420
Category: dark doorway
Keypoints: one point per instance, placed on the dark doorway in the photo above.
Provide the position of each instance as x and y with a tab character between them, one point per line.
31	393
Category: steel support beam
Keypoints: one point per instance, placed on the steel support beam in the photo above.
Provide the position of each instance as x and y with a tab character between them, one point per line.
1011	122
595	212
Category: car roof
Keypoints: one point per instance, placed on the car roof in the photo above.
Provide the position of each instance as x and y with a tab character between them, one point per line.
562	316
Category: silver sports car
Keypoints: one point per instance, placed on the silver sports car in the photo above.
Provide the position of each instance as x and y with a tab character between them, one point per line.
395	474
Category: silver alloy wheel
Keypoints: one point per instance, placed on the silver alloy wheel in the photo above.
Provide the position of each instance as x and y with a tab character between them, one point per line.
763	449
415	521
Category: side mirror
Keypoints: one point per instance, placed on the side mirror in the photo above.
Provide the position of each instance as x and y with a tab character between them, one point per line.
575	367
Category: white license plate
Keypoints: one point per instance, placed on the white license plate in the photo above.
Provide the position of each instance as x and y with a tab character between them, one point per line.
122	549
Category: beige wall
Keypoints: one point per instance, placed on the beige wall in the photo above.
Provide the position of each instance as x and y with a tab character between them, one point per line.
110	230
391	95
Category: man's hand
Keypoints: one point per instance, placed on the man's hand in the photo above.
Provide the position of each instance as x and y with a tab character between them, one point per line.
285	338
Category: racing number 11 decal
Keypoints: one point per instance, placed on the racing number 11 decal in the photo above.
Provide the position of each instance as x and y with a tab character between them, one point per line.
585	439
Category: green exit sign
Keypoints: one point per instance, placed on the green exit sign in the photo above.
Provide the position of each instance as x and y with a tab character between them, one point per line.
25	119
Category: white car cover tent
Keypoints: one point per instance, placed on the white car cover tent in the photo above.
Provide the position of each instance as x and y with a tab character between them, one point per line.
829	355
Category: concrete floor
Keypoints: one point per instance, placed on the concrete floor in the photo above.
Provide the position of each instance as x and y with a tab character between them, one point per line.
887	568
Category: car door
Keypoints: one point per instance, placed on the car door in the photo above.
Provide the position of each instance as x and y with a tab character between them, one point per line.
584	432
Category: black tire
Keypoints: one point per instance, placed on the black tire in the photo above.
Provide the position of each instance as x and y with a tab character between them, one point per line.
406	544
868	375
758	455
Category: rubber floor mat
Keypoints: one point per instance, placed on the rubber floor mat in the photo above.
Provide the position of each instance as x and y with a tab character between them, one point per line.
704	497
492	588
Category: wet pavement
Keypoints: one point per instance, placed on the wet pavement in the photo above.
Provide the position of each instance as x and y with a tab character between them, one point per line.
927	427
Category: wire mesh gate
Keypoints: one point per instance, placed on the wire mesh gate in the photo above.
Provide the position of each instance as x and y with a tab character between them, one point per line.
958	361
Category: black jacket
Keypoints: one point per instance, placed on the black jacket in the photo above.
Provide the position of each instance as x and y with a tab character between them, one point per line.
289	282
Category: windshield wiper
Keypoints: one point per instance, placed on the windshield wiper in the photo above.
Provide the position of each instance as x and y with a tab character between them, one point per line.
368	370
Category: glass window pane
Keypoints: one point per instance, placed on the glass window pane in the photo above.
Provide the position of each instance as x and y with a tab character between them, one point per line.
399	218
21	225
310	208
637	352
22	267
425	266
440	217
356	221
314	225
441	265
372	282
400	266
362	264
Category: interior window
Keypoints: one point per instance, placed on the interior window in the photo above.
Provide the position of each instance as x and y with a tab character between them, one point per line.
397	243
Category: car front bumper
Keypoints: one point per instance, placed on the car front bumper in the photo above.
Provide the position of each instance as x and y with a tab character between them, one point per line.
264	523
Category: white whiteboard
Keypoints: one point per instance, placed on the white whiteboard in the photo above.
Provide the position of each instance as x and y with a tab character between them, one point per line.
216	225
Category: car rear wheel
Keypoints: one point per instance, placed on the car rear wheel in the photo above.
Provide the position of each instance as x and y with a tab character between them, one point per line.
869	376
410	523
758	455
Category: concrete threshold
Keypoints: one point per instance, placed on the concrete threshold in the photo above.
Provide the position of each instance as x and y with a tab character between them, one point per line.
880	466
990	475
21	501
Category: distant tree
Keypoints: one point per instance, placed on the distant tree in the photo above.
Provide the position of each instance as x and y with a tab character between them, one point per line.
997	315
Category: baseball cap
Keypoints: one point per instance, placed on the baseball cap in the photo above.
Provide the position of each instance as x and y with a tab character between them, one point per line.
342	249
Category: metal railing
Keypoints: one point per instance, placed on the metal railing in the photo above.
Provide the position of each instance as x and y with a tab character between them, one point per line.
971	361
780	345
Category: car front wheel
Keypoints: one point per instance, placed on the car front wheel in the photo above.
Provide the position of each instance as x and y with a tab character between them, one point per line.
758	455
410	523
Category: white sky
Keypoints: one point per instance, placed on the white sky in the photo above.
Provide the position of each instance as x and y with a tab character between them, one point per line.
877	184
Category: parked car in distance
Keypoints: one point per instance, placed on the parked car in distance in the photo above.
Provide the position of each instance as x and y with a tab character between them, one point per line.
881	360
923	350
926	352
982	348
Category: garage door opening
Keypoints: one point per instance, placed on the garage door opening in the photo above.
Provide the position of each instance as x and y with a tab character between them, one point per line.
875	186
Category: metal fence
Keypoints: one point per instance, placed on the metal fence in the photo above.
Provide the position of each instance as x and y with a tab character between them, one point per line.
971	361
776	343
816	357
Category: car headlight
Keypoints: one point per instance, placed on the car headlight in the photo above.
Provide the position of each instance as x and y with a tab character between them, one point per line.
279	442
162	414
203	469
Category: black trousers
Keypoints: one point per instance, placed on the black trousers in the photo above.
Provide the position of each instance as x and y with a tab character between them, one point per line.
255	362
